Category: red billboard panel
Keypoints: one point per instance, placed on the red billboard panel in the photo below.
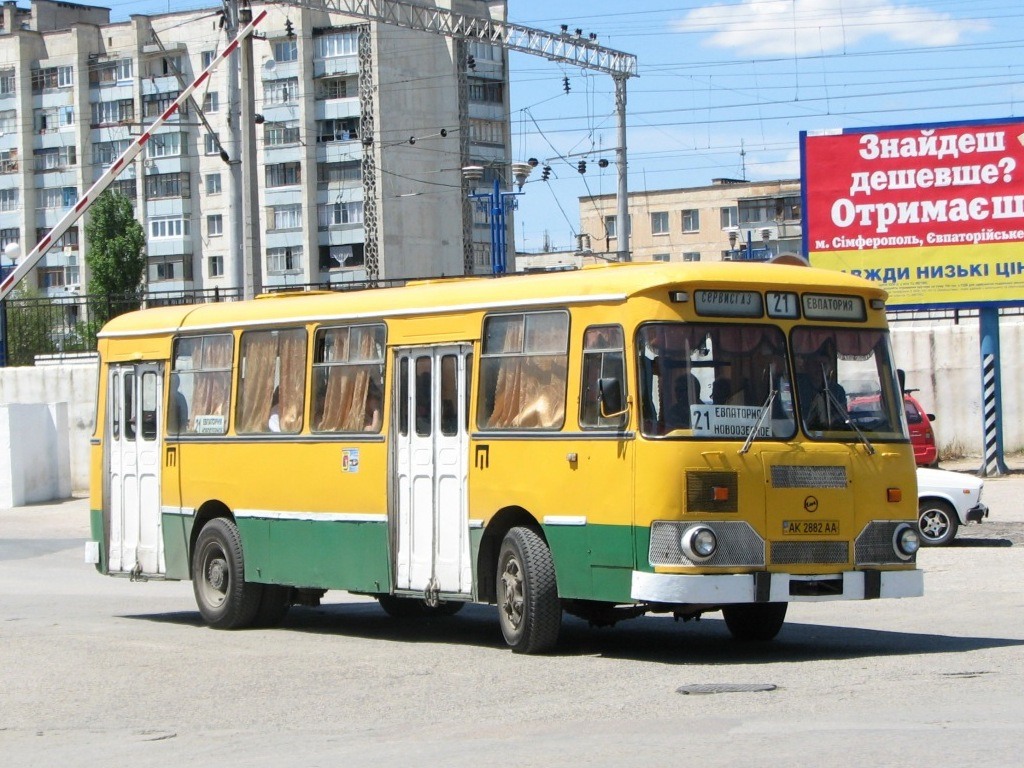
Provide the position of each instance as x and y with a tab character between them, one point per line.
934	213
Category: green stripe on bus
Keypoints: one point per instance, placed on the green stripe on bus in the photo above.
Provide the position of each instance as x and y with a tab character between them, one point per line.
594	562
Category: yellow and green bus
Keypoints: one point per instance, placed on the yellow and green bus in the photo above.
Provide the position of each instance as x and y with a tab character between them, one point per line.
606	442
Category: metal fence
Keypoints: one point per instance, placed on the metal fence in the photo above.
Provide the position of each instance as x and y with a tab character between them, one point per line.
53	326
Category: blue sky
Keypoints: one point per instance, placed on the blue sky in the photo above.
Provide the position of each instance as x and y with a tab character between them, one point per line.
725	88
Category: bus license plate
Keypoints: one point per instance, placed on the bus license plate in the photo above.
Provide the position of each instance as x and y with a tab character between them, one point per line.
810	527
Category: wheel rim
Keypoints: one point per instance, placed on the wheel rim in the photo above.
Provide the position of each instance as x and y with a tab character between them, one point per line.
215	578
934	524
512	600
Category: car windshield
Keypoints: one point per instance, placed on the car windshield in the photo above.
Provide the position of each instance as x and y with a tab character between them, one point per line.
846	384
717	381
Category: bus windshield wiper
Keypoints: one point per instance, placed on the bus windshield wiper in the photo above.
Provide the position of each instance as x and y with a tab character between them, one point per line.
760	419
848	419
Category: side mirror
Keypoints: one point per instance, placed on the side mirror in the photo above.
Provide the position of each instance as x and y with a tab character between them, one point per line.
610	396
931	417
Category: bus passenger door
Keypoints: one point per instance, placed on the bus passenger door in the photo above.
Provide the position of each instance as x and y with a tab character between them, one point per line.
431	444
133	437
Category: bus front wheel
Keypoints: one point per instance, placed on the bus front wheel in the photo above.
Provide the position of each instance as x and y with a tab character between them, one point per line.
754	622
528	607
225	599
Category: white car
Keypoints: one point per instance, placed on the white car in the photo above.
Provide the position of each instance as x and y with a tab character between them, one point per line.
945	501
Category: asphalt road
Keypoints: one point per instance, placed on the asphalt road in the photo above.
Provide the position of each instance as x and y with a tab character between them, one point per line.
100	671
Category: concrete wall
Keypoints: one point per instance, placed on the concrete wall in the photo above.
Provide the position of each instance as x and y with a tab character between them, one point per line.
72	384
34	444
942	361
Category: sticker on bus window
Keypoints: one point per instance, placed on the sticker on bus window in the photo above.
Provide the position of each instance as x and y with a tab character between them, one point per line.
209	425
350	460
728	421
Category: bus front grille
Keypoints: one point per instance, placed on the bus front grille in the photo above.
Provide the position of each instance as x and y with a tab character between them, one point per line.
875	546
738	544
808	552
801	476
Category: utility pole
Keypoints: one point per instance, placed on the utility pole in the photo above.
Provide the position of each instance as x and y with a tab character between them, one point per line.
251	243
622	195
234	269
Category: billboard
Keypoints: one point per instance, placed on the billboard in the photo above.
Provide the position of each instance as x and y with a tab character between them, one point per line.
932	213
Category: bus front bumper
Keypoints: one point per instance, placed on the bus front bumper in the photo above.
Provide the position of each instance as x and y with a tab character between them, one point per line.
763	587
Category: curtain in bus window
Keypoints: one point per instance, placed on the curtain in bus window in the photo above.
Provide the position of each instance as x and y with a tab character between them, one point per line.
292	379
211	392
256	393
349	389
530	374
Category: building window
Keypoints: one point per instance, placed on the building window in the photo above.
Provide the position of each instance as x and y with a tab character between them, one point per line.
336	43
215	266
338	214
110	72
8	83
284	174
340	256
486	131
214	225
278	134
659	223
286	50
211	101
661	257
211	145
284	260
285	217
125	187
165	66
281	91
168	185
168	227
611	224
8	121
334	172
106	152
9	199
54	119
486	91
730	217
213	183
58	197
52	77
691	220
207	57
113	112
155	104
55	158
164	145
691	256
8	236
346	129
335	88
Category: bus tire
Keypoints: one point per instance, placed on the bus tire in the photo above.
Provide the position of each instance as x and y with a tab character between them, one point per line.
936	522
398	607
528	607
225	599
754	622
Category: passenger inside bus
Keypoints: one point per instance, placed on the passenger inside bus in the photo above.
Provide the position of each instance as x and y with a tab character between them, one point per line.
687	393
822	398
177	414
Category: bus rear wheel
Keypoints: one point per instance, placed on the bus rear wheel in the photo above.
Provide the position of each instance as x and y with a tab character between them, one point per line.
754	622
225	599
528	607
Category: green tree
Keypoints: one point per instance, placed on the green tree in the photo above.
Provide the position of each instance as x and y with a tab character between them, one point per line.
116	256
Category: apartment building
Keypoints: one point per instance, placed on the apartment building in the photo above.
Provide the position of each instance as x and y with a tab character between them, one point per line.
727	220
362	131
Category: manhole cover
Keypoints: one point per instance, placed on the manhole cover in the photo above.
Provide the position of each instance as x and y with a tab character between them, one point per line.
705	688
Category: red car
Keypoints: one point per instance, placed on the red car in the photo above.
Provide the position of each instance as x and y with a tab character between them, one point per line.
926	453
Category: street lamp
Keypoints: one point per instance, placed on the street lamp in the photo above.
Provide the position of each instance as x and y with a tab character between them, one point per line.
497	204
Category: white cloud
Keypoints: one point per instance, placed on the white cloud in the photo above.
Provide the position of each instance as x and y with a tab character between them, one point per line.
788	27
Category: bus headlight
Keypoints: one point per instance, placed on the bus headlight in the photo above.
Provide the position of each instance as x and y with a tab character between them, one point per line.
698	542
906	541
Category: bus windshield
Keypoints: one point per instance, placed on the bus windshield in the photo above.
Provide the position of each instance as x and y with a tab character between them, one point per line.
845	383
707	380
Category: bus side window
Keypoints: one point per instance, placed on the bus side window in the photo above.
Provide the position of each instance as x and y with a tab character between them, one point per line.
603	357
272	381
202	369
149	405
129	406
348	379
523	371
